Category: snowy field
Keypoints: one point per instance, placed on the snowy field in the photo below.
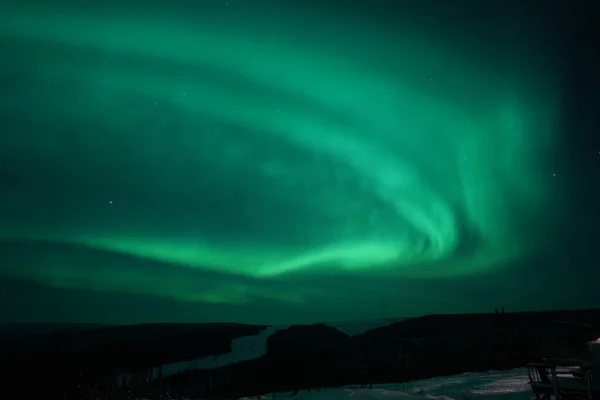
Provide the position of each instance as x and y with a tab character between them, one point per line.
510	385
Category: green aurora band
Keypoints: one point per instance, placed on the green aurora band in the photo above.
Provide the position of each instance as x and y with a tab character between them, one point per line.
239	155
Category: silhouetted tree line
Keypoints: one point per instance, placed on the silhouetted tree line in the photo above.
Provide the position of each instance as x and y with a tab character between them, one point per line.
312	357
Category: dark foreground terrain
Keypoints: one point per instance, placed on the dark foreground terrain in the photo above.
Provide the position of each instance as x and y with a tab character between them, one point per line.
89	363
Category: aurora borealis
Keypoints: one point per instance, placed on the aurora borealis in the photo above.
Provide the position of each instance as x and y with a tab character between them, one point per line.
236	154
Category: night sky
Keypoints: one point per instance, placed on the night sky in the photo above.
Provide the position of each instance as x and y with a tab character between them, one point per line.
294	161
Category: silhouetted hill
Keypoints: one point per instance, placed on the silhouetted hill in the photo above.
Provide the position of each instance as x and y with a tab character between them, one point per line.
126	347
308	342
21	329
295	357
316	356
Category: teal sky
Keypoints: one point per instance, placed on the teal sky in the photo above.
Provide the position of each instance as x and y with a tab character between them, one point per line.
277	161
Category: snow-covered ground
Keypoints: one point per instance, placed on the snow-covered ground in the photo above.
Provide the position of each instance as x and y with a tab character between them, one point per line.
500	385
497	385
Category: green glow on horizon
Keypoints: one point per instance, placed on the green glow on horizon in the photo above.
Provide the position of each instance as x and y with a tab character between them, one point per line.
425	164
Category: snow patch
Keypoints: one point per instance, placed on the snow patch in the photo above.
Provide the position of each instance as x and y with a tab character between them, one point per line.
505	385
